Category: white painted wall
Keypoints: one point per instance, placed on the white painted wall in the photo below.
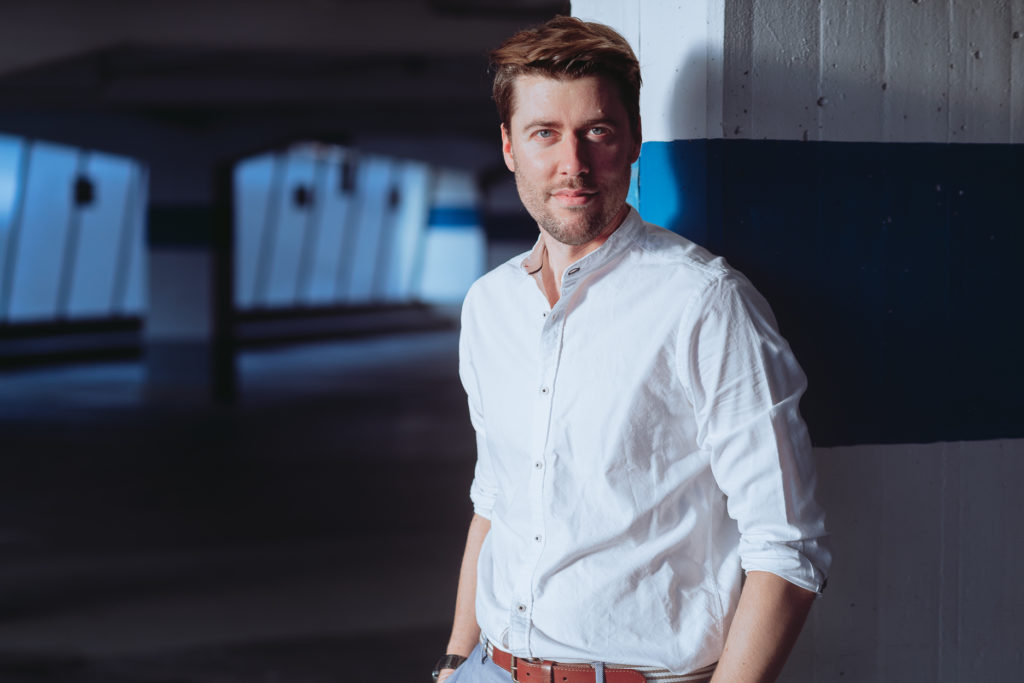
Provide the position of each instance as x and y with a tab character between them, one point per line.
925	584
871	70
679	47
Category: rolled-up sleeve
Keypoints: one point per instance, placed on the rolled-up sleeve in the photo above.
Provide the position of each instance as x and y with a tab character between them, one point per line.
745	385
483	491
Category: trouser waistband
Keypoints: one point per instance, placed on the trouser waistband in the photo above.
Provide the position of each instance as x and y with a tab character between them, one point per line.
547	671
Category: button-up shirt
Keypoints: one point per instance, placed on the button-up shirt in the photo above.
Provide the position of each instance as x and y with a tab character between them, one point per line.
639	443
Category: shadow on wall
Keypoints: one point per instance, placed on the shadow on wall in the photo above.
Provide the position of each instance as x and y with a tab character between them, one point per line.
890	266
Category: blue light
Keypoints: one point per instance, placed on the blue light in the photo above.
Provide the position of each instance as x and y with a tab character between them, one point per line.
10	154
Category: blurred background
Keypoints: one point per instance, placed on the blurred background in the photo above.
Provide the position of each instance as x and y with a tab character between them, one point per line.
235	237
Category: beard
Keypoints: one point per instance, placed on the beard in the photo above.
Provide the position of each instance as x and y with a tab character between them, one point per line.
572	225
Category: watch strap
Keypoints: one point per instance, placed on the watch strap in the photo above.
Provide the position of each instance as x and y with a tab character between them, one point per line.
448	661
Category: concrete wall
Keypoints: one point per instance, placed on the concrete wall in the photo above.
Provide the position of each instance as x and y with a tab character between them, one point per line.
861	162
866	71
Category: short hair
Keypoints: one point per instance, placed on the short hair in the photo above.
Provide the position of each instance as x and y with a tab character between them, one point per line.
567	48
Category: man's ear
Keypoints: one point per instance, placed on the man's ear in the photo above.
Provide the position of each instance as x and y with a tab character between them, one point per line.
506	149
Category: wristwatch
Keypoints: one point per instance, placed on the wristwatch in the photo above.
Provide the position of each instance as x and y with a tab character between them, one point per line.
447	662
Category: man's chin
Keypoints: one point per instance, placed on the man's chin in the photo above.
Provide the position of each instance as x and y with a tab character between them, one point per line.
572	235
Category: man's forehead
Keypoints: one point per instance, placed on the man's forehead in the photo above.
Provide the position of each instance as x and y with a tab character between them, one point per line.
541	78
553	82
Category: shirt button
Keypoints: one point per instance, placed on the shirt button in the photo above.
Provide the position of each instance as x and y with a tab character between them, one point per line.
544	390
538	538
538	465
574	271
520	608
545	314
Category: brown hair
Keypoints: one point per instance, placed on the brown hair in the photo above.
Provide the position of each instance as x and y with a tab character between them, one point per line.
567	48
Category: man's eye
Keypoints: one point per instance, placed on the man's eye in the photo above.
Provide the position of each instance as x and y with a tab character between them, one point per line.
598	130
544	133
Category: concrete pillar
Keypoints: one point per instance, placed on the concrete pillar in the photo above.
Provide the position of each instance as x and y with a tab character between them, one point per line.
680	55
860	162
455	247
189	346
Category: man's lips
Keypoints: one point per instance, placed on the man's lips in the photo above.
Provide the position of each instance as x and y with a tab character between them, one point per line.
570	197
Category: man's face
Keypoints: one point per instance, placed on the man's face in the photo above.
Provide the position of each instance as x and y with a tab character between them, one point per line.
570	146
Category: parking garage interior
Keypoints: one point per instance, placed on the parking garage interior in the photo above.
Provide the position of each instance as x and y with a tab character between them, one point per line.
234	240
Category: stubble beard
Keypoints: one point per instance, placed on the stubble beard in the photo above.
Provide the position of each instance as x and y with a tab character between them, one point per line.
586	223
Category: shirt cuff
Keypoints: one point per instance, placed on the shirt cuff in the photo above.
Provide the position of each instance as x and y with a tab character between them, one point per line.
802	563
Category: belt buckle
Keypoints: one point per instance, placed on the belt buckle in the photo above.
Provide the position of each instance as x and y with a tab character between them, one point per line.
514	669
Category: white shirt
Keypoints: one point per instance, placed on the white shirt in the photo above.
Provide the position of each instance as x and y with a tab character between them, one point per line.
638	443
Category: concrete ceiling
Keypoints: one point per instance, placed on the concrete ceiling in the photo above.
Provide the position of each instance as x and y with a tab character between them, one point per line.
148	78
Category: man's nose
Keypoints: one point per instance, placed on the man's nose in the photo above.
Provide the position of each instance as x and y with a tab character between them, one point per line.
574	159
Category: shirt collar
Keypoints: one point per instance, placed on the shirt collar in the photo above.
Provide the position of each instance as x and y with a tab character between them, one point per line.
616	242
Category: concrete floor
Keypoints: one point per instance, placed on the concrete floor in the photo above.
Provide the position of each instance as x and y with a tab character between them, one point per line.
312	532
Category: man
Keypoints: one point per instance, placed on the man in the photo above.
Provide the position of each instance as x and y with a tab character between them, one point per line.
639	440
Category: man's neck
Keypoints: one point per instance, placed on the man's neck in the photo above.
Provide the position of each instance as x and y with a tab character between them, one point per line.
558	256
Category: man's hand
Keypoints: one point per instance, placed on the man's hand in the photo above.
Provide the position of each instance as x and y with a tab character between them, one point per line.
445	673
768	620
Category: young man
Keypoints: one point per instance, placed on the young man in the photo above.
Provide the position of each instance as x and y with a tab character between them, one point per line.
639	440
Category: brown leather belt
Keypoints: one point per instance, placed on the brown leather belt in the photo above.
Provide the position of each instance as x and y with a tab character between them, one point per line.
546	671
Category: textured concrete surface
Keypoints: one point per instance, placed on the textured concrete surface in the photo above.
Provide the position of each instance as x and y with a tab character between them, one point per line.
312	532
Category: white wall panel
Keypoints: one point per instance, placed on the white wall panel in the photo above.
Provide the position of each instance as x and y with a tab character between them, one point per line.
917	59
326	252
923	585
737	67
94	269
11	151
292	226
871	70
980	48
784	76
134	295
454	246
410	227
715	116
674	45
253	198
679	45
452	260
39	255
852	69
1016	31
372	186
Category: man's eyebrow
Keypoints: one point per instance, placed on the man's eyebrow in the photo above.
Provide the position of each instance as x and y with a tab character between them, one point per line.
540	124
603	120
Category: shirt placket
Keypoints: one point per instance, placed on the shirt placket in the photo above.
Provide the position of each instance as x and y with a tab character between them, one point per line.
550	356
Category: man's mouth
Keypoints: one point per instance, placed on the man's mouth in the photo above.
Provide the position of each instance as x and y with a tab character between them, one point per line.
572	197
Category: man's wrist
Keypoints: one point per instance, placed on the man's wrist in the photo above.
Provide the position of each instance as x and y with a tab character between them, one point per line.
447	661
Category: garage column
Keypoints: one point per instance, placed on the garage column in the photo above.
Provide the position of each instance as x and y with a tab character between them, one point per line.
680	49
188	337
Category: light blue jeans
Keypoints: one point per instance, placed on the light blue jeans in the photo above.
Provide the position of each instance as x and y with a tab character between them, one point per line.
480	669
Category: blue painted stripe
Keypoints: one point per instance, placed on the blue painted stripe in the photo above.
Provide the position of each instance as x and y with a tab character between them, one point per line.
447	216
893	270
671	181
